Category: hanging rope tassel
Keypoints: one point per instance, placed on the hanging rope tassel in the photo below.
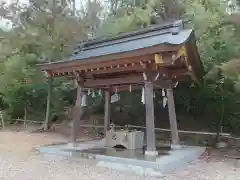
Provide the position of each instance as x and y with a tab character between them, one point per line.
93	94
130	88
164	102
143	96
164	98
163	93
84	100
99	92
89	92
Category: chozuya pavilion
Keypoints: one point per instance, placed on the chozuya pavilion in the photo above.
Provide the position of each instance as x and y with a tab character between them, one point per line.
156	57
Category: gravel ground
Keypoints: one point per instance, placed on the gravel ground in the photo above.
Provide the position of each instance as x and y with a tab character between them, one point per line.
21	163
55	168
40	167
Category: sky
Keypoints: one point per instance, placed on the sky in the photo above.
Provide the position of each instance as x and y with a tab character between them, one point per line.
5	24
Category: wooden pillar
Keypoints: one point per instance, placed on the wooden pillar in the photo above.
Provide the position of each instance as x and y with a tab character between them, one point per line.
150	125
107	112
77	111
49	103
172	118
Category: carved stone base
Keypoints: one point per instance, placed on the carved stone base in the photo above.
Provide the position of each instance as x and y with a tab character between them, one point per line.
130	140
151	153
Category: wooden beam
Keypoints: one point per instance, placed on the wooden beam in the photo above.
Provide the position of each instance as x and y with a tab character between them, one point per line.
150	125
125	88
194	60
165	84
106	65
159	84
124	55
107	112
77	111
49	103
167	68
172	118
166	77
130	68
138	63
135	78
114	81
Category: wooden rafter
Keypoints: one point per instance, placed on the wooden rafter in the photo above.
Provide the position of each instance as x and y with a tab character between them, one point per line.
102	59
138	64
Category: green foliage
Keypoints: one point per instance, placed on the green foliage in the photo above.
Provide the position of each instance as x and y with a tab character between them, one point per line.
131	18
42	31
130	15
217	35
215	39
49	30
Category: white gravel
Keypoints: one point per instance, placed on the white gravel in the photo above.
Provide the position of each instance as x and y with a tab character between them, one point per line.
38	167
202	170
56	168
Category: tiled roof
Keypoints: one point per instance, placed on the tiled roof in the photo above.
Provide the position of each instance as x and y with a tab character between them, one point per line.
171	33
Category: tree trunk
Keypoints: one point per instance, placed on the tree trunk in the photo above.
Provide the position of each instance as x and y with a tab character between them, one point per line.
220	122
25	115
2	119
74	8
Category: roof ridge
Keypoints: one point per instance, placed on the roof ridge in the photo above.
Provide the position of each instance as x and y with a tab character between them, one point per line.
178	24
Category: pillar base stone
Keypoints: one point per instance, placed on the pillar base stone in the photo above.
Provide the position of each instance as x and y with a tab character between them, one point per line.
73	145
176	146
151	153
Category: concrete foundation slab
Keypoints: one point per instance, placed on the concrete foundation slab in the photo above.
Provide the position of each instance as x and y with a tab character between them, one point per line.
129	160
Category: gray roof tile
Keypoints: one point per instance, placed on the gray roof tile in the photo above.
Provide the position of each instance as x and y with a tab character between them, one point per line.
169	33
131	44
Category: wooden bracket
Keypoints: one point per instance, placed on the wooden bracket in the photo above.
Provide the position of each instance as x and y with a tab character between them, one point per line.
176	84
46	74
150	75
78	77
145	78
157	76
158	59
166	84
